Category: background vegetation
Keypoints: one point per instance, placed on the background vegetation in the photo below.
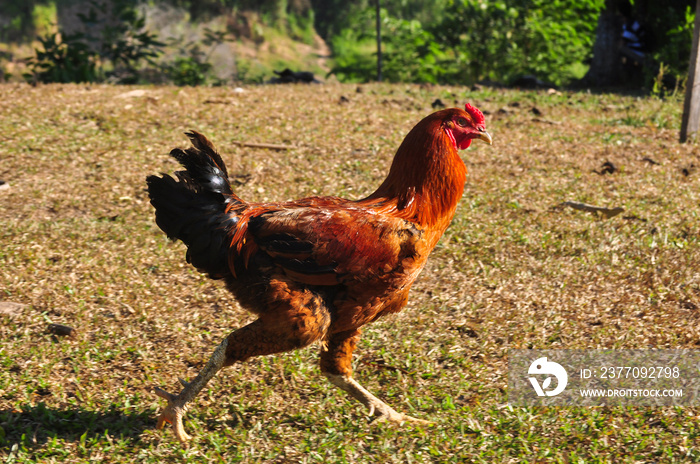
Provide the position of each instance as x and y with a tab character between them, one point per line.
470	40
445	41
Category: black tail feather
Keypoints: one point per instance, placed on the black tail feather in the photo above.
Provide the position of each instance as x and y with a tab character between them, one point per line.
202	144
193	209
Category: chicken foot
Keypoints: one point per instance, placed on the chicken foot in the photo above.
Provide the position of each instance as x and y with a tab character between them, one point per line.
177	404
336	358
382	411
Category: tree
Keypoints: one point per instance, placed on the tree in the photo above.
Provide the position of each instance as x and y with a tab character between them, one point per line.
665	40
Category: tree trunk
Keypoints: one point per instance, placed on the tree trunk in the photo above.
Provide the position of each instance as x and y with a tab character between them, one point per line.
606	65
691	109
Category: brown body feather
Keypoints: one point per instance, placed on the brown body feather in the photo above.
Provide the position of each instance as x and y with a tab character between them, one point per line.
371	250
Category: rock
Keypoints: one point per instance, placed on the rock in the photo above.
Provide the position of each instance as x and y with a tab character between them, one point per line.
293	77
61	330
606	168
10	309
437	104
528	81
132	94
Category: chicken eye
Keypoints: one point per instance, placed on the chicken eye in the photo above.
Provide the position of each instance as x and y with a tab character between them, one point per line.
461	122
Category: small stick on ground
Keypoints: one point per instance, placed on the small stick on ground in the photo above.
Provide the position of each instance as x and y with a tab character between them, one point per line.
270	146
606	212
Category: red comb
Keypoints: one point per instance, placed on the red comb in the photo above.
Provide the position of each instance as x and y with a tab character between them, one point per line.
476	114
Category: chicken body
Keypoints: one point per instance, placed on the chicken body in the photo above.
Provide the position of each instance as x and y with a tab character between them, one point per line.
320	268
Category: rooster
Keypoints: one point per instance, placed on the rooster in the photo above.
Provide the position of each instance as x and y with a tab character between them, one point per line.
320	268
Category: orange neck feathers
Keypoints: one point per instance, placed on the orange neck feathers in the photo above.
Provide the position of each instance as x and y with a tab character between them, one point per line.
427	176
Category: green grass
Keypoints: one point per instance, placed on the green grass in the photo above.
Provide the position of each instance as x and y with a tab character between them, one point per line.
78	246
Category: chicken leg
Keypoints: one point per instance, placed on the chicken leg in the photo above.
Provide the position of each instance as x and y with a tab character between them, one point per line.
272	333
177	404
335	365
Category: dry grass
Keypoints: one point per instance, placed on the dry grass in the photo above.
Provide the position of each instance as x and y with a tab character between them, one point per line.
78	246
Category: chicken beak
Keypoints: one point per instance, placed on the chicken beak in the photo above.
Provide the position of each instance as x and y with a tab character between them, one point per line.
486	137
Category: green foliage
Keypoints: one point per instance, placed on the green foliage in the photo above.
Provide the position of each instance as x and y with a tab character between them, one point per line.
63	60
557	35
17	17
333	16
44	16
672	55
355	60
445	41
300	26
478	40
188	71
115	37
252	72
412	54
481	36
502	40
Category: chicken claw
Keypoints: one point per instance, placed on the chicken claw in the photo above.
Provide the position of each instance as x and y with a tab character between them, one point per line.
378	408
399	418
382	412
173	414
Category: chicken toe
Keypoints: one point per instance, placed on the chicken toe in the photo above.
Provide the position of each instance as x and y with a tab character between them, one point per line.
173	414
399	418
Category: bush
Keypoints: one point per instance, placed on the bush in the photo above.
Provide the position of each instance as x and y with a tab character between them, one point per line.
476	40
500	41
355	59
63	60
188	71
113	47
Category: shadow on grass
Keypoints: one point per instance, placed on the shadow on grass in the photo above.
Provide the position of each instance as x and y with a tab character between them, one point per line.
34	425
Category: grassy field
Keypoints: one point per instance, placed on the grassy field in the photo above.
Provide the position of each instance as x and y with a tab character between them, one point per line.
79	247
